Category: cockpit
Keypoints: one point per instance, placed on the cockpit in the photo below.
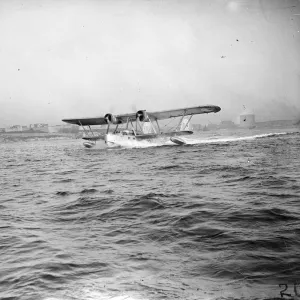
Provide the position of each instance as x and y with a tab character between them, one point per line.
128	132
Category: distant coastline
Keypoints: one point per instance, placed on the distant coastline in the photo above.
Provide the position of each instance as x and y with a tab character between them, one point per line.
262	124
30	135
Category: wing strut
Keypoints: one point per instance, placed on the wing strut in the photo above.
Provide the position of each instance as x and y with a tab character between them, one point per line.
116	128
152	125
157	125
91	130
86	133
187	123
177	127
133	127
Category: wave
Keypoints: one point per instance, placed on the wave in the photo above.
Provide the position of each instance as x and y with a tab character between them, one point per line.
62	193
88	191
94	293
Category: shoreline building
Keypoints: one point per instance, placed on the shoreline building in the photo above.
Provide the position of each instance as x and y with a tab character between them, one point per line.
63	129
14	128
39	127
227	125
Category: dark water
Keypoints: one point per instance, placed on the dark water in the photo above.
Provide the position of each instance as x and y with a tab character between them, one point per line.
219	219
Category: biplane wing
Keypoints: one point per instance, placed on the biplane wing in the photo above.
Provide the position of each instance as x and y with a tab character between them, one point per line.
86	121
166	114
159	115
99	120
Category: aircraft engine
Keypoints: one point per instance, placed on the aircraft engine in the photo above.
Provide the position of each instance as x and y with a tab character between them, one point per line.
109	118
142	116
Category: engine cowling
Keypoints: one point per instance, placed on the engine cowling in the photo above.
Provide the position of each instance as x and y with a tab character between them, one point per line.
111	119
142	116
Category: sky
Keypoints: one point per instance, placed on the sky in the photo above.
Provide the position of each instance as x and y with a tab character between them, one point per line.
70	58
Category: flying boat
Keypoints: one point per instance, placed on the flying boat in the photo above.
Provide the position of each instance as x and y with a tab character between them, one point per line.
143	128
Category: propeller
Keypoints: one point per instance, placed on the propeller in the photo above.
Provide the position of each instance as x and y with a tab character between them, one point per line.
140	115
107	118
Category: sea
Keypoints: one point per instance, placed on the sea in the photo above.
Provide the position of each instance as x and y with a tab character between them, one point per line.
218	218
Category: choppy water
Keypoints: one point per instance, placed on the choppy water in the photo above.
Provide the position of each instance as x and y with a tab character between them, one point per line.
218	219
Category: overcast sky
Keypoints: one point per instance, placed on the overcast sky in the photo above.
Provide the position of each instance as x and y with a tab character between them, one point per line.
69	58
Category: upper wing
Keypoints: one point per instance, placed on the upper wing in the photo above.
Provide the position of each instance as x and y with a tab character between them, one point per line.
166	114
99	120
159	115
86	121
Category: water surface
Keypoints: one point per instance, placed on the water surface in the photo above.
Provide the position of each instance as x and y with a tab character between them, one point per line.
216	219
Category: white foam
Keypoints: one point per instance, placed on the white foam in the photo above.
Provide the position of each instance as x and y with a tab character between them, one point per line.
198	140
230	139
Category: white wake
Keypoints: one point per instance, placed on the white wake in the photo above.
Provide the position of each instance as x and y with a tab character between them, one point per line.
229	139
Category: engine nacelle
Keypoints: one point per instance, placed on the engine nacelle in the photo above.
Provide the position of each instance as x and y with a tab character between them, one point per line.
111	119
142	116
